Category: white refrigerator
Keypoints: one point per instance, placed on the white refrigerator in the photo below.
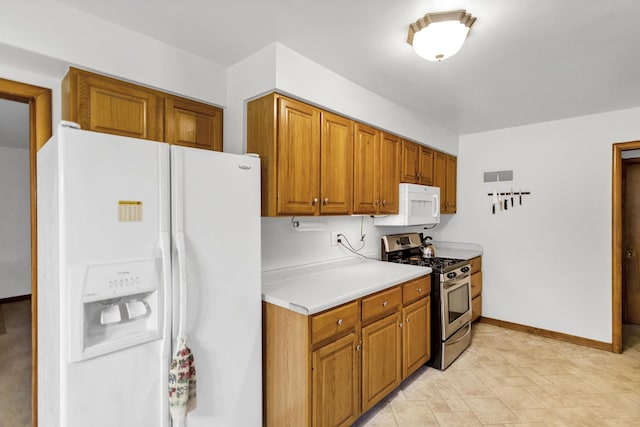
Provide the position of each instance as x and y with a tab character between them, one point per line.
133	237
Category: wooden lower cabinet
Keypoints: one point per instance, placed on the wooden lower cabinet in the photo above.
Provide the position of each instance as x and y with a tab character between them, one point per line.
336	383
381	359
416	338
476	288
329	368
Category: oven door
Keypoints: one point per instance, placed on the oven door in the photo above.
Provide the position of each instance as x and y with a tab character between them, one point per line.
455	297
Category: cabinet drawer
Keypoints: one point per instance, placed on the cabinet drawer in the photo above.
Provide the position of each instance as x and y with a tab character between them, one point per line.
334	322
381	303
476	264
476	307
476	284
416	289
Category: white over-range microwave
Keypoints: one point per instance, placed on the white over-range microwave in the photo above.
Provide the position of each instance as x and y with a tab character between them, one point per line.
419	205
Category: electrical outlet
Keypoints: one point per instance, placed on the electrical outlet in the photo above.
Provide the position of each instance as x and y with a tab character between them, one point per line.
334	238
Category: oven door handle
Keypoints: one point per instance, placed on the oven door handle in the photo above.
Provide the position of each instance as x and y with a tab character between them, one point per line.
463	336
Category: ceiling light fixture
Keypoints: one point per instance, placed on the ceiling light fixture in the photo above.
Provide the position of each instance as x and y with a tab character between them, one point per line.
440	35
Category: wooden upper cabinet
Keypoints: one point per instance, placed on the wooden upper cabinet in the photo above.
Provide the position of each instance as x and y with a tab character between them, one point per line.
417	164
192	124
450	192
410	156
306	156
439	177
298	158
366	171
336	165
389	174
107	105
103	104
425	166
445	172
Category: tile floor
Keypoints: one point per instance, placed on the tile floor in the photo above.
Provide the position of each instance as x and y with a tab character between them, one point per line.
508	378
15	360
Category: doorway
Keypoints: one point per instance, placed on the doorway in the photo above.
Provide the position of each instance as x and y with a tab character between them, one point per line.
623	256
38	100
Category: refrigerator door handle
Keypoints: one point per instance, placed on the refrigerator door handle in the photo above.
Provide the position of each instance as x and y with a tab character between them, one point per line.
166	289
182	283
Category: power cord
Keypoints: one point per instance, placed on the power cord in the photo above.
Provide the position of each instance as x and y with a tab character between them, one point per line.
351	249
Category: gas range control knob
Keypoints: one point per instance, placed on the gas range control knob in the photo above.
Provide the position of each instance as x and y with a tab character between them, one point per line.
451	275
465	269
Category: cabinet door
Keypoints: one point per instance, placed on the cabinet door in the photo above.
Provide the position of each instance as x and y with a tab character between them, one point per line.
389	174
416	339
365	170
192	124
381	359
336	383
451	184
298	158
410	155
425	174
336	165
439	177
107	105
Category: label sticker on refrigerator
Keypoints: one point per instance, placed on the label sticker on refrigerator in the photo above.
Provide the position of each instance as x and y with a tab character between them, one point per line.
129	211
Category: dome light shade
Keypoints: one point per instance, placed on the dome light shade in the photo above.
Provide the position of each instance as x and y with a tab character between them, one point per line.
440	35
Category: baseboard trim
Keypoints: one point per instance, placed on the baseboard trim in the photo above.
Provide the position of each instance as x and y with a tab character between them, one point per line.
586	342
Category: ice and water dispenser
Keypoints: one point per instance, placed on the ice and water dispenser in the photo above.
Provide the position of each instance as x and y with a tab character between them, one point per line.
116	306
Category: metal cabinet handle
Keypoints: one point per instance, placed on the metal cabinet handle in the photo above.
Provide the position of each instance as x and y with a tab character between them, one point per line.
419	290
359	347
407	320
339	321
325	201
384	203
385	303
629	254
401	325
314	201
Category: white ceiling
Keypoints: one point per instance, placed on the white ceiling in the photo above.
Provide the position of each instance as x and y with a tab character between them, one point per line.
525	61
14	124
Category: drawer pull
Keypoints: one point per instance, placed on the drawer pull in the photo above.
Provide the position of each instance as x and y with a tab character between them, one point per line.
385	303
419	290
339	321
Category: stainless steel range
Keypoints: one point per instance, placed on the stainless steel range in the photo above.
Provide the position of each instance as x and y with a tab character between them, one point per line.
450	295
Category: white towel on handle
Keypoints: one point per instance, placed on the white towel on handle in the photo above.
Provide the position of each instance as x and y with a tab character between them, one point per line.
182	382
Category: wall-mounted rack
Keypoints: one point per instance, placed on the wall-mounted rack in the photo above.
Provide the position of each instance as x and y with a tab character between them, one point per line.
503	203
509	193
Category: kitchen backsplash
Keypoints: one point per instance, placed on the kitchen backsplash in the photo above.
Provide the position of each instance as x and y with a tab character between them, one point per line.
282	246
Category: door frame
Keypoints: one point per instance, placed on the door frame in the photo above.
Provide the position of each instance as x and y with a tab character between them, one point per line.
40	130
616	242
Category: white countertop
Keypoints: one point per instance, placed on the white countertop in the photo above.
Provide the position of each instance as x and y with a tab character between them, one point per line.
457	250
313	288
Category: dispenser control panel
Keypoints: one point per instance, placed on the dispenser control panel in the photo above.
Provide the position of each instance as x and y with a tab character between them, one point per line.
108	281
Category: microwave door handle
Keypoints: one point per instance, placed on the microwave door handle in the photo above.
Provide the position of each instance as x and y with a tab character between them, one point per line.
436	206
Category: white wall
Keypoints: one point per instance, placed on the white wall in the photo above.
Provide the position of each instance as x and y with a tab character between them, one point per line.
546	263
15	229
61	32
